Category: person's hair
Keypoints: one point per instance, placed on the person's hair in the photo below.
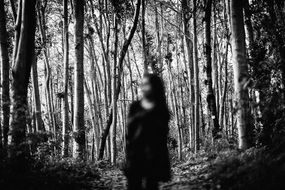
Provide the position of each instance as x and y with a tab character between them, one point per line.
158	91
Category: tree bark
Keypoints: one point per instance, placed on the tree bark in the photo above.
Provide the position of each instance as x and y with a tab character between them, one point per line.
158	39
190	71
196	80
24	55
4	59
248	24
173	99
114	100
65	109
78	123
210	93
215	65
36	94
92	117
241	75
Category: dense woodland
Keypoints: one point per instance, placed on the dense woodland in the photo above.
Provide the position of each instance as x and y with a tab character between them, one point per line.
71	68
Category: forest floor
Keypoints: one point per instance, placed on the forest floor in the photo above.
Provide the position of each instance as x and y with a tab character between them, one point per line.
193	174
223	170
230	169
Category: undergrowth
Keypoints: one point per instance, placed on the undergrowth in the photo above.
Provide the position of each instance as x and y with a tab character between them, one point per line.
47	175
255	168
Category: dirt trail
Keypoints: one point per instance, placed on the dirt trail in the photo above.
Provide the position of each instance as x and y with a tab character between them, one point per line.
189	175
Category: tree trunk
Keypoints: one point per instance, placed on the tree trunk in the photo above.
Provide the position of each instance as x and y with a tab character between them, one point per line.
65	109
241	76
215	66
24	55
210	93
190	71
114	98
92	116
196	80
4	74
48	87
248	24
118	85
222	111
36	94
105	50
131	76
78	123
144	45
224	95
173	99
158	38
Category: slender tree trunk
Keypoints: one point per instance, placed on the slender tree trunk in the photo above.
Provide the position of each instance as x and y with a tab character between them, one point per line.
189	47
96	88
196	80
65	109
105	49
187	87
4	59
48	87
215	66
118	85
248	24
114	98
71	105
24	55
173	99
210	93
124	115
96	114
145	49
131	76
158	38
240	74
92	117
203	123
135	60
231	108
223	98
224	95
36	94
78	123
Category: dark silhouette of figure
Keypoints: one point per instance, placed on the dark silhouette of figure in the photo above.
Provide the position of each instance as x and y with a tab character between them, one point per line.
147	159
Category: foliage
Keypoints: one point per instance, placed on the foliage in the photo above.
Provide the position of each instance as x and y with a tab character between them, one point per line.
253	169
54	174
266	70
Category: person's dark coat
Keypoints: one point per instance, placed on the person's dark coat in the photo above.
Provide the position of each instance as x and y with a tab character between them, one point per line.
146	148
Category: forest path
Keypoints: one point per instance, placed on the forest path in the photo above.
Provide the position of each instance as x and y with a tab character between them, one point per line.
193	174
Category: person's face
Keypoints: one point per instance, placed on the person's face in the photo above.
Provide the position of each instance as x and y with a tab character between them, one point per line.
146	88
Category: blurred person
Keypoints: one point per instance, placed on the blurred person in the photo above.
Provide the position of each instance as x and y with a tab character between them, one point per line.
147	159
